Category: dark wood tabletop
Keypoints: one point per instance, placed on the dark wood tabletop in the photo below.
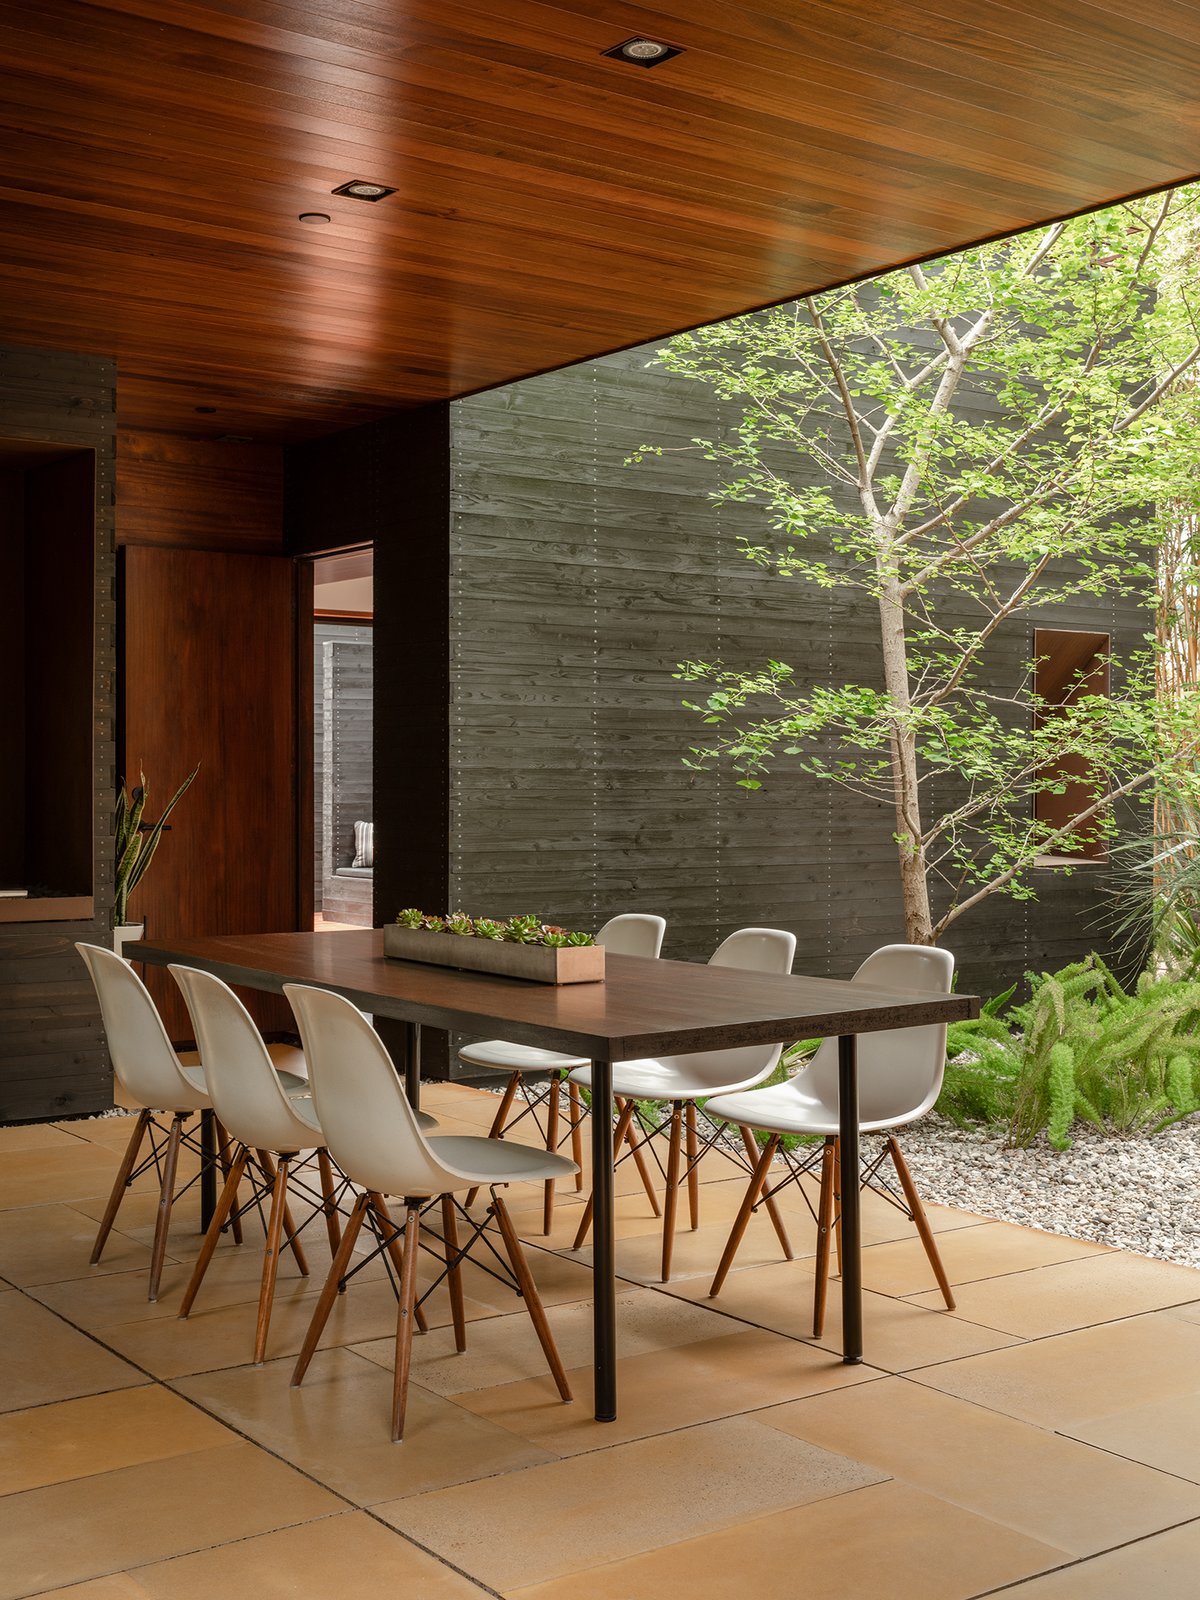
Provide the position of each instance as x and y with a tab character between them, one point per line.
643	1008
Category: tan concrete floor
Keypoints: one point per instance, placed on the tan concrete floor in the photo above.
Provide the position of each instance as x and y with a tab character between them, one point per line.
1042	1441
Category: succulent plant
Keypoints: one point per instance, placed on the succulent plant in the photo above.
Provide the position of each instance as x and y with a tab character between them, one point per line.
528	929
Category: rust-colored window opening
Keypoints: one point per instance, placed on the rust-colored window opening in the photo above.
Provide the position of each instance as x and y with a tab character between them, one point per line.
1069	665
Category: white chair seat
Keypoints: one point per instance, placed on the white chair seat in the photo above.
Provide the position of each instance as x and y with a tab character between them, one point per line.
662	1080
502	1056
498	1160
784	1109
287	1060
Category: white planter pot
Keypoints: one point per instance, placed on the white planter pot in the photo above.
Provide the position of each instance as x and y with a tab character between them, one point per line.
127	933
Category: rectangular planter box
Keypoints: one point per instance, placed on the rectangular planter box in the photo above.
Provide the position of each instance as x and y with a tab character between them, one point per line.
579	964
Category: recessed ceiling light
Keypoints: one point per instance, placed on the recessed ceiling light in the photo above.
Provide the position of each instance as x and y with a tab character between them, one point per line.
315	219
360	189
640	52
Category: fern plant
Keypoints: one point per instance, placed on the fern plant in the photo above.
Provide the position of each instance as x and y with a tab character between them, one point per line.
1082	1048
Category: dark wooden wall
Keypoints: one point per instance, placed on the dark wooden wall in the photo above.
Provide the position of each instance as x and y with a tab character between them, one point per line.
52	1056
199	494
577	584
388	484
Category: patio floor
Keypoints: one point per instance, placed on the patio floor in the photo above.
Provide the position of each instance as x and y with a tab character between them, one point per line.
1043	1440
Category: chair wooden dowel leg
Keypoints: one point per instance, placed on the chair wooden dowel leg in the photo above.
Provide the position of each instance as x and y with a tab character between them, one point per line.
228	1198
224	1147
333	1226
922	1222
274	1245
496	1131
395	1250
619	1132
120	1183
837	1200
742	1221
781	1233
166	1195
693	1167
671	1198
576	1114
552	1106
529	1293
824	1221
404	1320
289	1227
639	1158
454	1273
329	1292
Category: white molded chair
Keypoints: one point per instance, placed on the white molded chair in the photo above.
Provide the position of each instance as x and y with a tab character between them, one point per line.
154	1078
271	1131
634	933
377	1141
680	1081
899	1079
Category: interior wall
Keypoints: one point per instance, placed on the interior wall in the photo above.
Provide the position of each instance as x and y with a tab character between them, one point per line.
52	1056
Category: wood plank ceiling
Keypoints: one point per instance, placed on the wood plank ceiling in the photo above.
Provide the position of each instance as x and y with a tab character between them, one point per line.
551	203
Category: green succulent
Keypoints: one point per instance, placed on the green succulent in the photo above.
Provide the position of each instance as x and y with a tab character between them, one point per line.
433	924
459	922
555	940
411	918
486	928
578	939
524	930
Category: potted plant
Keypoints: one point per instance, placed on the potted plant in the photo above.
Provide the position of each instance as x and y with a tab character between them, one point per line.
136	843
522	947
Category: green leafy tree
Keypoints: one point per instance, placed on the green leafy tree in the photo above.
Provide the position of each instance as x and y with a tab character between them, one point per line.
961	445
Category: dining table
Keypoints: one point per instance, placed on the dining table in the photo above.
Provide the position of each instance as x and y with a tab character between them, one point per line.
641	1008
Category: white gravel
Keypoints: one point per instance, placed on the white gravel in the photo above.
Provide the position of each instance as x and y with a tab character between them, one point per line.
1140	1194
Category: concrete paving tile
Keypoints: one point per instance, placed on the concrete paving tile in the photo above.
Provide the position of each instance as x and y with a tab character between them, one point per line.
689	1483
337	1427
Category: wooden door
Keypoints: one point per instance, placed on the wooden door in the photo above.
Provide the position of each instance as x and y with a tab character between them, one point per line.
211	644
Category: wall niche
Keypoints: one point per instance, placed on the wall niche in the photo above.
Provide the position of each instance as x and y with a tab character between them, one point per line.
47	665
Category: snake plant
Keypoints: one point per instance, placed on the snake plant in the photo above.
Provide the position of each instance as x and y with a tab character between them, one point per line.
136	841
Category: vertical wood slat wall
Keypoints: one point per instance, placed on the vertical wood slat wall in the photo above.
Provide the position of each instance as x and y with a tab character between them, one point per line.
577	584
52	1056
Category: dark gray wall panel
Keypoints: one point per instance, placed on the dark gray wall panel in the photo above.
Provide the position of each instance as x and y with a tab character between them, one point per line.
577	584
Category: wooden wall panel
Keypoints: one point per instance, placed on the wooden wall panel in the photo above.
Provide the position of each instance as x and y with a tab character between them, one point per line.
201	494
577	584
53	1060
210	651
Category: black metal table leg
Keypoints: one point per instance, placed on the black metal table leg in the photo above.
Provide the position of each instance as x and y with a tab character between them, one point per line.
604	1263
412	1064
852	1334
208	1167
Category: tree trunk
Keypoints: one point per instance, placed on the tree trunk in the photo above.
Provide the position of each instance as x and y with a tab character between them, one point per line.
918	920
